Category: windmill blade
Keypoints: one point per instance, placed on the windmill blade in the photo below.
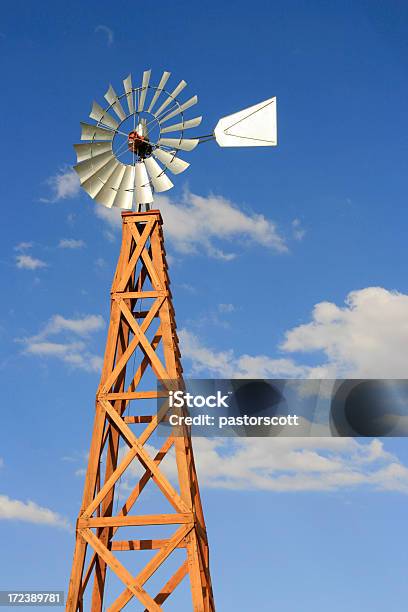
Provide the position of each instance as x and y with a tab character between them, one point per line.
163	81
185	144
183	125
112	98
107	194
88	150
113	183
127	84
159	179
255	126
145	83
92	132
170	98
174	164
89	167
100	115
143	191
96	181
124	195
180	109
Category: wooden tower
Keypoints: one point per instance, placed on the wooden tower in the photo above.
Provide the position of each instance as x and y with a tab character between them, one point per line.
142	346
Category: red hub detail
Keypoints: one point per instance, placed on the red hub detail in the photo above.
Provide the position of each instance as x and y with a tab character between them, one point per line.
135	141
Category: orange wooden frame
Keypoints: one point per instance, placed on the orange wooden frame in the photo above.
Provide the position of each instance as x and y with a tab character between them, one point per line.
142	262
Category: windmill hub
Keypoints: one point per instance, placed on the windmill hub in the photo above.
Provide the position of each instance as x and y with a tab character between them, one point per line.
137	143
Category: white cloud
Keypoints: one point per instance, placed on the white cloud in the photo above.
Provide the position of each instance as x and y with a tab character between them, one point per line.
226	308
197	224
82	326
26	262
70	243
188	288
365	338
23	246
65	184
301	464
100	263
109	33
30	512
229	365
71	351
110	236
297	230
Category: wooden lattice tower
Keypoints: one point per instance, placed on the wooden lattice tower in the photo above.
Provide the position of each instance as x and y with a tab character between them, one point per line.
141	274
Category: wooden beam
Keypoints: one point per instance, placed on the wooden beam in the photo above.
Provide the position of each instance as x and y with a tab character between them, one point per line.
151	270
140	544
136	520
171	584
159	478
144	364
130	216
105	388
120	571
140	294
138	419
155	362
134	395
151	567
140	246
133	497
141	314
113	478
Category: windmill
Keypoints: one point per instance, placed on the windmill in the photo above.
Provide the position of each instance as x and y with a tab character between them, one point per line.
133	147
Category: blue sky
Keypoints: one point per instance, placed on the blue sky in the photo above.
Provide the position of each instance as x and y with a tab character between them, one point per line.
330	516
